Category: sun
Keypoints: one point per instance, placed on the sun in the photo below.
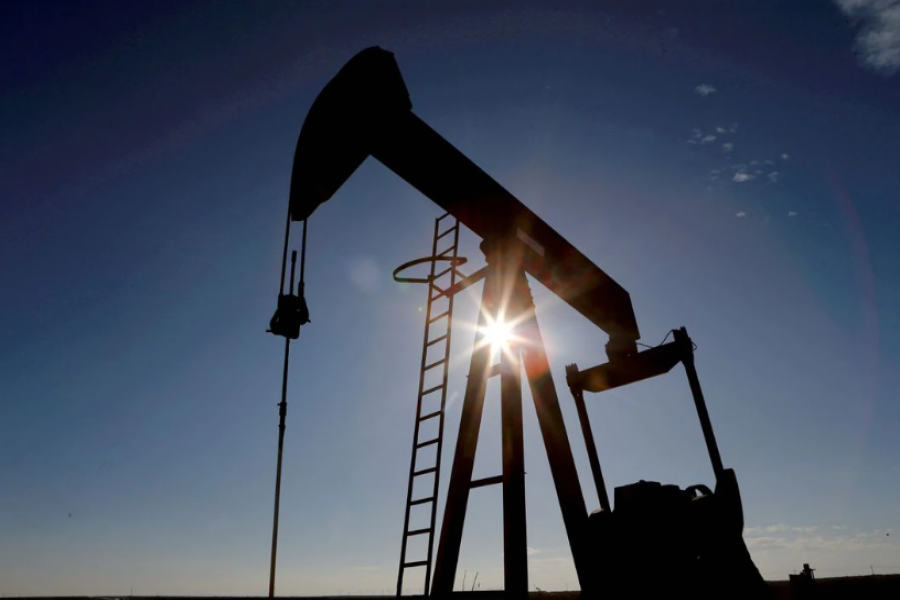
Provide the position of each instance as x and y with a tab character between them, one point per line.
498	334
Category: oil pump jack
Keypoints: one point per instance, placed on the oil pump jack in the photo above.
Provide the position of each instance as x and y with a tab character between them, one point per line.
657	538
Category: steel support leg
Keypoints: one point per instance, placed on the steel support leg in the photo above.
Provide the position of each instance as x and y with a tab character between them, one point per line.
515	546
507	293
447	558
553	430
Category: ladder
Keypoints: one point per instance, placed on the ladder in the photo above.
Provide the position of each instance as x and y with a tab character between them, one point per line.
432	395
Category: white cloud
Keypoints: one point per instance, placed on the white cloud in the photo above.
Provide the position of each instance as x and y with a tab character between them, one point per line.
698	137
776	548
742	176
741	215
705	89
727	129
727	146
774	176
792	213
878	42
785	156
533	551
749	531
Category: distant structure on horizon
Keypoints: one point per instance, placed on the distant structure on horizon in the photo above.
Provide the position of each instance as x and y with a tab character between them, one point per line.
803	585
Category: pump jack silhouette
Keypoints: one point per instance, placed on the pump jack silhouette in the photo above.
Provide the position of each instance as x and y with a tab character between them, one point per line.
690	538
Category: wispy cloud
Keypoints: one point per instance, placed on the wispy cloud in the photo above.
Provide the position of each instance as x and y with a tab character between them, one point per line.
779	528
777	549
785	156
798	540
878	42
705	89
698	137
741	215
792	213
747	171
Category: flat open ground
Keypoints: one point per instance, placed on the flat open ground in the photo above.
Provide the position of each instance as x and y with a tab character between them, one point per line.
869	587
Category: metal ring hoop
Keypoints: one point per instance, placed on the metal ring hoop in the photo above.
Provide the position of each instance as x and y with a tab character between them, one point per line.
428	259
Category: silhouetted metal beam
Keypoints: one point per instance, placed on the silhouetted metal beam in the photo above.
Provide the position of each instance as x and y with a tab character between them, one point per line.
587	432
629	369
687	351
365	110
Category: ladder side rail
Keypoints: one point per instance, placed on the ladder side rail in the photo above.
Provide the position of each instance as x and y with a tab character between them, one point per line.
444	378
415	441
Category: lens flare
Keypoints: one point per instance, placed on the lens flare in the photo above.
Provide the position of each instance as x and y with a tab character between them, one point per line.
498	334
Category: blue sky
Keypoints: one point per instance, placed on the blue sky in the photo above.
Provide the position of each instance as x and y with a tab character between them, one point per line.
732	165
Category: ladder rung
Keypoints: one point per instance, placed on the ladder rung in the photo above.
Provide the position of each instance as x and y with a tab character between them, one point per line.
428	443
495	369
442	273
415	563
454	228
419	531
442	217
435	363
477	483
434	389
437	339
447	251
449	229
422	501
430	415
440	316
425	471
